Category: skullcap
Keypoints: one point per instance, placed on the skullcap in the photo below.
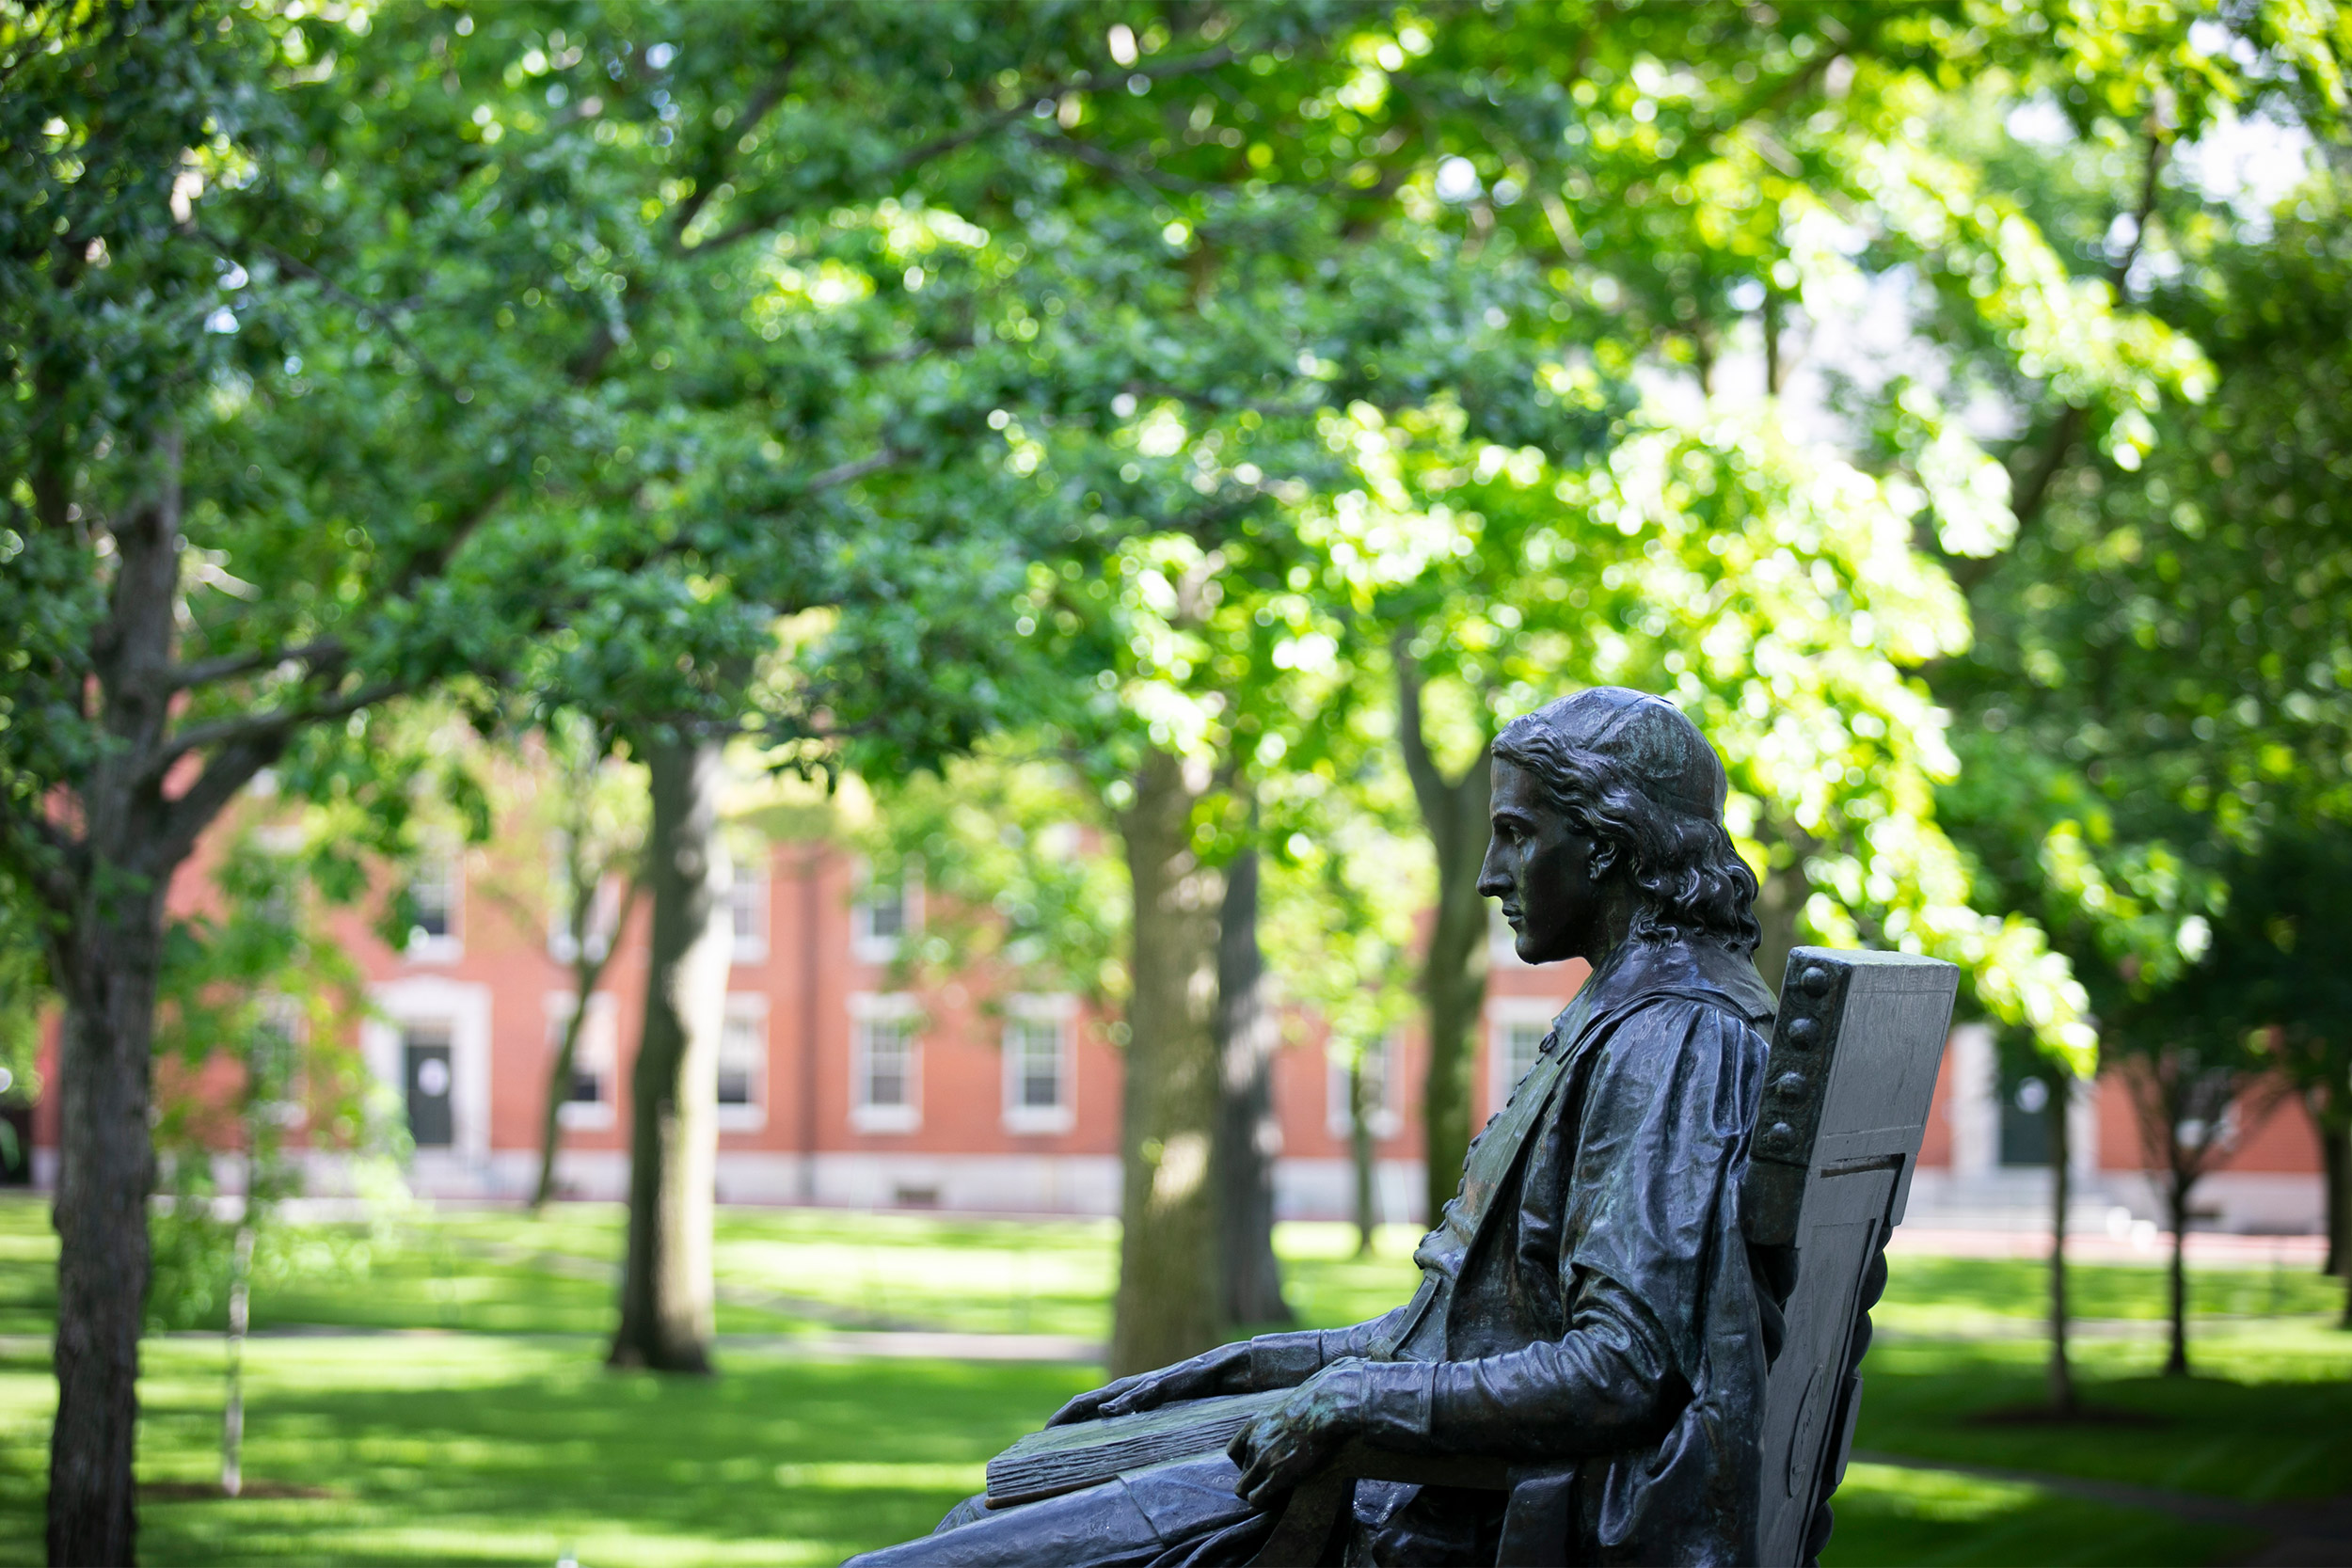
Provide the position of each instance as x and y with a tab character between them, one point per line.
1661	753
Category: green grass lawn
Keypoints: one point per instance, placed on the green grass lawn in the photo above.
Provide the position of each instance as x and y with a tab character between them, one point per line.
462	1415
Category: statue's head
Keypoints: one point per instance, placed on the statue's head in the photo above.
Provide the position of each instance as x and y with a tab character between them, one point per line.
1608	813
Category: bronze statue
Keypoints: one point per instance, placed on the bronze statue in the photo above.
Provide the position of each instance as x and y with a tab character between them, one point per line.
1583	1374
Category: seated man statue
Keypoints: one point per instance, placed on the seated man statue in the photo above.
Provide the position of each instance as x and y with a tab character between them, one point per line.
1588	1306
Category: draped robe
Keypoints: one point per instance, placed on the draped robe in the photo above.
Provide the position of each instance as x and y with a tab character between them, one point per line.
1588	1305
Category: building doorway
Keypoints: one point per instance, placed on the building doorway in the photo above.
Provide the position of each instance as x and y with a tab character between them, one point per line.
427	1072
2024	1120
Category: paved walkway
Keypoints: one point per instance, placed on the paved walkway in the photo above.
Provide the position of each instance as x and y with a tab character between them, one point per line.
606	1270
923	1345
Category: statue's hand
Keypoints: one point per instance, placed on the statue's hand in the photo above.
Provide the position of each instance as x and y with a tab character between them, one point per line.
1222	1371
1299	1437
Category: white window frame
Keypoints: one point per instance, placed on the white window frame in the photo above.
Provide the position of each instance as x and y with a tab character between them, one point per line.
424	947
1388	1115
598	1050
1061	1012
750	878
1502	943
867	1008
1503	1014
864	945
749	1007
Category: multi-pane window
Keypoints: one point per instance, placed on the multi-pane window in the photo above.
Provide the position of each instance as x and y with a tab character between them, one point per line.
1502	943
743	1062
1037	1096
433	894
747	910
588	1098
1384	1086
603	911
885	1086
1522	1041
883	915
1516	1027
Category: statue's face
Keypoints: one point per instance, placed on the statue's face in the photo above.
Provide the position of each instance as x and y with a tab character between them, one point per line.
1555	883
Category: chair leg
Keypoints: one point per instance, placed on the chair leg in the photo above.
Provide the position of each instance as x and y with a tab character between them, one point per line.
1313	1528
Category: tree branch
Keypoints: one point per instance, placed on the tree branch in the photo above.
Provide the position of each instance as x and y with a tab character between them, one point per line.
47	865
2045	470
2032	495
272	727
1151	183
857	468
1419	766
229	772
706	182
375	314
327	650
987	125
431	562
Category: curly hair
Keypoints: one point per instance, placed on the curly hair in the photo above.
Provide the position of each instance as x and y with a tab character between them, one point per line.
1690	883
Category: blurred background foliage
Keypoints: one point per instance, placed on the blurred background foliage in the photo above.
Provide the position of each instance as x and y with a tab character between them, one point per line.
1209	424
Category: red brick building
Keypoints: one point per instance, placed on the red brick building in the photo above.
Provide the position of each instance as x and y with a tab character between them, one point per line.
839	1088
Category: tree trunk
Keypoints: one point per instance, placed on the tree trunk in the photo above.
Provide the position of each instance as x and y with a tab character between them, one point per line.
105	958
2061	1190
240	1302
1454	986
1360	1155
665	1287
2337	1140
2335	1143
1167	1276
1779	904
560	1075
591	957
106	1171
1454	981
1248	1137
2176	1363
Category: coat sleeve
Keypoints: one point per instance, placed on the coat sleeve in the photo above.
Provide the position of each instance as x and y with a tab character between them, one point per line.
1286	1360
1660	1128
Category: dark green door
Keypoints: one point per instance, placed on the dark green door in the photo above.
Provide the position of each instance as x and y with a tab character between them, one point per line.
431	1124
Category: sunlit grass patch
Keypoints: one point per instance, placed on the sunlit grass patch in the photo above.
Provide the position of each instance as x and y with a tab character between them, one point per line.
855	1477
474	1420
506	1449
2018	1287
1888	1514
2265	1421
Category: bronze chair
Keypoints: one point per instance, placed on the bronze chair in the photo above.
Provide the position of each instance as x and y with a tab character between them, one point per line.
1857	1045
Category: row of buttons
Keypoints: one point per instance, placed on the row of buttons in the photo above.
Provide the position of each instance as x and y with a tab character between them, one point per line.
1781	1140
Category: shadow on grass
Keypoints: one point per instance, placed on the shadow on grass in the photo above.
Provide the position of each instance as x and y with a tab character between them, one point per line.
476	1451
2275	1430
1887	1515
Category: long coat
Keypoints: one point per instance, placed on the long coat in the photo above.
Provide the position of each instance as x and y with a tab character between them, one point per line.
1588	1300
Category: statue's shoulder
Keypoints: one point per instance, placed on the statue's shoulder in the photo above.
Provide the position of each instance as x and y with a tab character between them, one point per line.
1675	975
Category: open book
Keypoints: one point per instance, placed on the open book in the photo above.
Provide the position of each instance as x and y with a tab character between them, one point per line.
1086	1453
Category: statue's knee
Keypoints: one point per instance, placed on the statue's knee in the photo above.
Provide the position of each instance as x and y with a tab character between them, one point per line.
972	1508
